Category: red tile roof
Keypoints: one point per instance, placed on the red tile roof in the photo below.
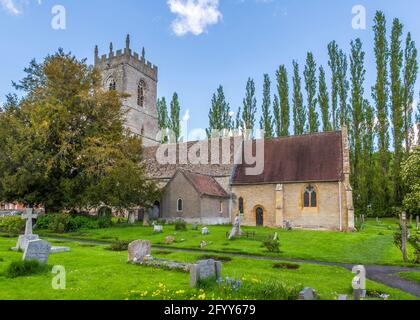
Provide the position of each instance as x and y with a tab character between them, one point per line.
306	158
204	184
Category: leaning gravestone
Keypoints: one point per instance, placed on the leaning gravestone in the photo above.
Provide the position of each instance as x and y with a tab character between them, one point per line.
37	250
308	294
138	250
28	236
205	269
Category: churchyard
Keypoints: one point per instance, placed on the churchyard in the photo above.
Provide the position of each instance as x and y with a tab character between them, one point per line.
248	269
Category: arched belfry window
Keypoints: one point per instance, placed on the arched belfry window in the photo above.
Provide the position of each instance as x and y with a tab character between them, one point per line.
310	197
112	85
141	92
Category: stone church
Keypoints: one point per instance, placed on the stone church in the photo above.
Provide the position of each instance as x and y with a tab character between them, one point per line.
305	181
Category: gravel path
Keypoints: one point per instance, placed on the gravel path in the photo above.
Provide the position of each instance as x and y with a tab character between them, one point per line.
387	275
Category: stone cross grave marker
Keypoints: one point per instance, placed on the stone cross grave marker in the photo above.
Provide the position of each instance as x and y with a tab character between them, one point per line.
37	250
236	230
28	236
205	269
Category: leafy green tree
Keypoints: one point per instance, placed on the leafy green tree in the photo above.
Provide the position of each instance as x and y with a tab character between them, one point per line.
284	110
310	86
380	95
299	112
249	108
410	176
175	123
333	64
266	122
396	62
357	74
64	145
238	120
323	99
163	118
411	68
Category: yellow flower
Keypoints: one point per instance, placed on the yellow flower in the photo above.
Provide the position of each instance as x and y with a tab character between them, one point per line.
202	296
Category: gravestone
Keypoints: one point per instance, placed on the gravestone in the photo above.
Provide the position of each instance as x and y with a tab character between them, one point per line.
132	217
308	294
194	227
205	231
203	244
236	230
23	240
169	240
287	225
138	250
158	228
342	297
37	250
205	269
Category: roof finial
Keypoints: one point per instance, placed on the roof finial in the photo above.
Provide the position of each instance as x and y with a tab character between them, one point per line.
127	42
111	48
143	54
96	51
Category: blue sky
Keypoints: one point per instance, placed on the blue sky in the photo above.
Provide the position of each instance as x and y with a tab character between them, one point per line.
196	47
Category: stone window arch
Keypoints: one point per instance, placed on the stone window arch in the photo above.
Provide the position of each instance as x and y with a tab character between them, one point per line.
241	205
112	84
141	90
310	197
180	205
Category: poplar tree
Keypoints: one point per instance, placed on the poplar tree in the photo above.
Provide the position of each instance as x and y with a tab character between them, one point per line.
396	61
220	118
410	76
266	122
323	100
343	87
357	74
249	107
163	118
333	64
283	91
380	96
310	86
175	125
277	115
299	113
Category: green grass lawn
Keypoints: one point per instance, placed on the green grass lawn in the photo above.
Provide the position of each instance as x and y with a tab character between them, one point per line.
374	245
96	273
413	276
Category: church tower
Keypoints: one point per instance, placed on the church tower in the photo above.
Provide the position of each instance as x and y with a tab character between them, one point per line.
130	73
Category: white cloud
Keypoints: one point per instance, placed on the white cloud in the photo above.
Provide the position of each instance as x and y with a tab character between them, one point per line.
193	16
10	7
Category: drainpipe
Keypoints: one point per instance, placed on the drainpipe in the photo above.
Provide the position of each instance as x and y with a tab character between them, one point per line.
341	208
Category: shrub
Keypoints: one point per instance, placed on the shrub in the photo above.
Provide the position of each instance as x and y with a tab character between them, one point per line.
359	225
25	268
61	223
288	266
272	245
180	225
119	245
13	226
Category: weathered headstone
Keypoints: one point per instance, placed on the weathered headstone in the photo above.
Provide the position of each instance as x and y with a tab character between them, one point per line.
342	297
169	240
236	230
158	228
138	250
132	217
194	227
205	269
287	225
404	236
308	294
37	250
205	231
23	240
